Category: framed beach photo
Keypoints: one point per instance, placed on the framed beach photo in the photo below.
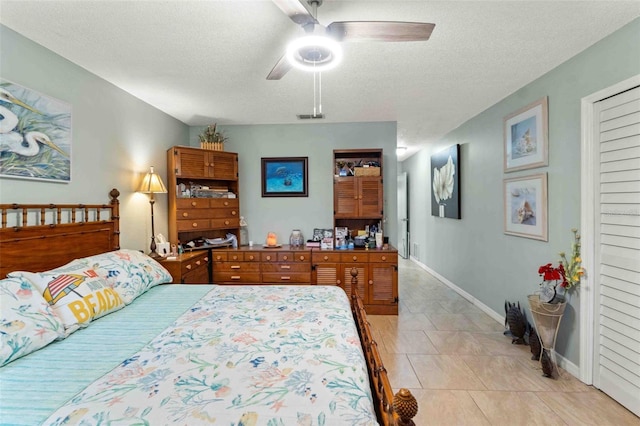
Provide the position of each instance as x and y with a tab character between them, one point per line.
526	142
525	206
285	177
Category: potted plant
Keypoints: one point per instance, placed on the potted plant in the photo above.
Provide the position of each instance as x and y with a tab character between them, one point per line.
211	139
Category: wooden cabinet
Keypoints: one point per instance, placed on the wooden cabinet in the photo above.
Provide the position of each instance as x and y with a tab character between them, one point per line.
325	268
209	207
383	279
189	268
199	163
358	197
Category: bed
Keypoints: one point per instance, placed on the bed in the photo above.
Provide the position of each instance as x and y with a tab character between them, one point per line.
139	352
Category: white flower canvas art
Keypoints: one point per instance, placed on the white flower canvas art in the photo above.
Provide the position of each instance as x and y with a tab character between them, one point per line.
445	183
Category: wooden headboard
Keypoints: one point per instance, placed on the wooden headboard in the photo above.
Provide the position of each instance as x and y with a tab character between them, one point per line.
39	237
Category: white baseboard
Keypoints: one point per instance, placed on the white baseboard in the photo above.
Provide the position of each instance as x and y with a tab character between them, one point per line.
564	363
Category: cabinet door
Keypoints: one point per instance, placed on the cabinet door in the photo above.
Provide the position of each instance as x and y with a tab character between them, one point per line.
326	274
191	163
362	280
225	165
383	284
370	197
345	197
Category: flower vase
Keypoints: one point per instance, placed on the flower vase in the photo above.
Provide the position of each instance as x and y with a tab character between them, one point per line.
441	211
296	239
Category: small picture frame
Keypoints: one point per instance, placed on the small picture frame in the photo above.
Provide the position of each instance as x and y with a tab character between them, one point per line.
525	206
285	177
526	139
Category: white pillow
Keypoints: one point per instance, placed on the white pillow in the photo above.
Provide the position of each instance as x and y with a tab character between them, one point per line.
27	322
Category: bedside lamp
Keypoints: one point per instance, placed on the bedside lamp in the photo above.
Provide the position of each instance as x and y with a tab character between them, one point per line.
152	184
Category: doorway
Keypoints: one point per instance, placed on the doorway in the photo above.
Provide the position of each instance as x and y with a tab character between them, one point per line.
403	216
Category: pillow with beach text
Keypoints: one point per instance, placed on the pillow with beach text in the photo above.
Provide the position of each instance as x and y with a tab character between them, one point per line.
77	295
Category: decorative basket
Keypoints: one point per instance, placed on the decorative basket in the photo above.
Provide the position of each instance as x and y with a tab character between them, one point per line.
367	171
547	317
212	146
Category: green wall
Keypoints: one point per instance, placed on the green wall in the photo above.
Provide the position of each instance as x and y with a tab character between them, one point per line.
317	142
474	253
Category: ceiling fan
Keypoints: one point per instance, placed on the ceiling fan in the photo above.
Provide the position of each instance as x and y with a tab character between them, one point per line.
319	48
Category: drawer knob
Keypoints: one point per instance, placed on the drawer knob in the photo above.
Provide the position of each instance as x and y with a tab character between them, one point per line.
198	262
285	267
235	266
218	257
235	257
193	204
235	277
326	258
251	257
355	258
285	257
268	257
301	257
185	214
206	259
384	258
338	282
226	203
370	282
226	222
188	266
233	212
194	224
285	278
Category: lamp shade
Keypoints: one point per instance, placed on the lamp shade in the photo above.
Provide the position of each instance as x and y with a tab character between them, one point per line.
152	183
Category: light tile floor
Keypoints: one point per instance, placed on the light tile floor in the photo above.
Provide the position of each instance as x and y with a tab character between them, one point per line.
464	371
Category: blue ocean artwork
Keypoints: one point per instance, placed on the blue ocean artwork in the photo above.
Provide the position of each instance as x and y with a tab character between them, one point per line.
284	177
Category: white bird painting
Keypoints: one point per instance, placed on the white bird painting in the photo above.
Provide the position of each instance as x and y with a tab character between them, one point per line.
35	135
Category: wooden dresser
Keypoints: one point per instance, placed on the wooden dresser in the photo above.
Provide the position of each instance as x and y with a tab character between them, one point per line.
377	270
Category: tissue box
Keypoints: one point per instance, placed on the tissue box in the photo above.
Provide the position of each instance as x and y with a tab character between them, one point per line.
163	249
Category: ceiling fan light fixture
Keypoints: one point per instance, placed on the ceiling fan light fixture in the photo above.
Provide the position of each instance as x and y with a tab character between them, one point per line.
314	53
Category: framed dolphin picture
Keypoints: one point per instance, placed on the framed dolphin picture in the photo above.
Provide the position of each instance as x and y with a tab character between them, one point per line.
284	177
35	135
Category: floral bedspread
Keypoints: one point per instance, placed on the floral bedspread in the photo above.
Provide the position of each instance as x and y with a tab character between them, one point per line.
248	355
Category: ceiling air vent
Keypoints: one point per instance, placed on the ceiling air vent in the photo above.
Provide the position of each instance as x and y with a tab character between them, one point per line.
310	116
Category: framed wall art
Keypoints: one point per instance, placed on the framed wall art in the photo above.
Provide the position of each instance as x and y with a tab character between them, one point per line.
525	206
526	142
445	188
285	177
35	135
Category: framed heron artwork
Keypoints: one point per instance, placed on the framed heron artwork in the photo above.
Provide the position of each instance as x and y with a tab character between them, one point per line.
285	177
35	135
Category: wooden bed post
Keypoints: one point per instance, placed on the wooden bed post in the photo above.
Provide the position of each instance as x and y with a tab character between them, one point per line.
115	216
392	410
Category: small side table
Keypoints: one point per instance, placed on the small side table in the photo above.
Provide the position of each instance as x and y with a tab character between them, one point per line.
189	268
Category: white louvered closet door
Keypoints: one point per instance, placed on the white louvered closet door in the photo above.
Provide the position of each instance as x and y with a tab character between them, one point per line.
617	250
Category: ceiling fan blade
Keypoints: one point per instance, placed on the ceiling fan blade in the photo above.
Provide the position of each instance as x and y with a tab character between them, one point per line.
380	31
296	10
280	69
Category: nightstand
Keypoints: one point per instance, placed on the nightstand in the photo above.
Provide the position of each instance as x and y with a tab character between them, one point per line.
189	268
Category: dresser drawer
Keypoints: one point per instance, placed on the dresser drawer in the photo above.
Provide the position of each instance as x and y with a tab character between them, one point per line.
192	225
301	256
269	256
234	256
383	257
286	267
231	266
192	203
252	257
222	213
326	257
196	262
236	277
225	223
354	257
283	278
193	214
219	256
223	202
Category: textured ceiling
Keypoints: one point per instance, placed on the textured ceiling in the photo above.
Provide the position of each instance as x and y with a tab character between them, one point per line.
207	61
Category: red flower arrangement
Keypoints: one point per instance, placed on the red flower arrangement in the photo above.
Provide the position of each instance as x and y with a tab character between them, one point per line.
569	271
